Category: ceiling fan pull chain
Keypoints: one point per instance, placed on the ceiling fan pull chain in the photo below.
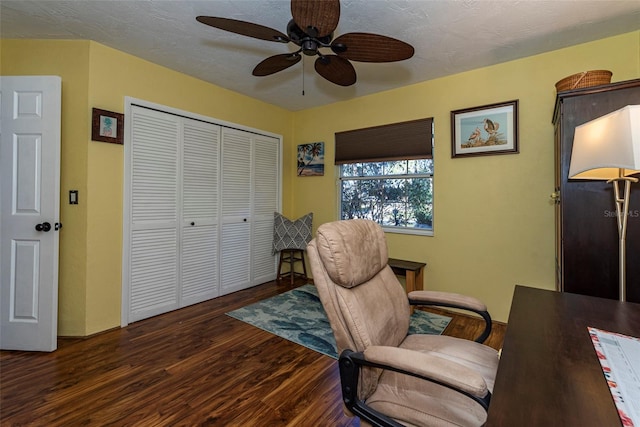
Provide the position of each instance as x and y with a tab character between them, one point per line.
303	76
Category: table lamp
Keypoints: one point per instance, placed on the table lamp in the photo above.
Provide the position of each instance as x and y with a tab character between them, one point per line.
608	148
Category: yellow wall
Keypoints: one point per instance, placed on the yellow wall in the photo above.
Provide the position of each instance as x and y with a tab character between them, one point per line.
94	75
69	60
493	221
114	75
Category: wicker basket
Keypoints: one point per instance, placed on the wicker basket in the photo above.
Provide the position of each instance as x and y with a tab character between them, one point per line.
584	79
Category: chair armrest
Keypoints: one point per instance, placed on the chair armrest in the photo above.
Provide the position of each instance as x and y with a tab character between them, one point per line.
429	367
421	365
452	300
448	299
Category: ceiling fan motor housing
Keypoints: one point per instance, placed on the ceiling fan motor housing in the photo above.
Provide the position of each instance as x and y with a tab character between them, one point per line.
307	41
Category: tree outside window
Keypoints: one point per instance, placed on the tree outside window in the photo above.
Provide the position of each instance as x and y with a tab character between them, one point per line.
395	194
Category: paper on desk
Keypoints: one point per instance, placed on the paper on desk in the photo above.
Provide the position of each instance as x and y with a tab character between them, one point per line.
619	356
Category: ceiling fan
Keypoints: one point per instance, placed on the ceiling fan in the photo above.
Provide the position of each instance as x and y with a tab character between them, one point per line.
312	29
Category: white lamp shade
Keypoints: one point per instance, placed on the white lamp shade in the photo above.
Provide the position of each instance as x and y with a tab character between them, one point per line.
604	146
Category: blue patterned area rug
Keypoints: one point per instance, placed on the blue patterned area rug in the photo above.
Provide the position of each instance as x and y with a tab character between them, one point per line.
297	315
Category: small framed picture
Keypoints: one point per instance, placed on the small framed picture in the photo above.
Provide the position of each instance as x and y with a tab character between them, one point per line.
485	130
107	126
311	159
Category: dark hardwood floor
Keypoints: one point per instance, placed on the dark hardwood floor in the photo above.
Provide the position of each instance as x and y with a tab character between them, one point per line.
191	367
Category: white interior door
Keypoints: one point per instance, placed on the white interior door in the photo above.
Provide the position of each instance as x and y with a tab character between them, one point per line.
29	212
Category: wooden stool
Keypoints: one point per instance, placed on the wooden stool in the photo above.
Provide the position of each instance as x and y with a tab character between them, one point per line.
291	256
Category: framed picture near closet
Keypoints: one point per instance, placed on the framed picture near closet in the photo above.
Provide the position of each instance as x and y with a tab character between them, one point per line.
107	126
485	130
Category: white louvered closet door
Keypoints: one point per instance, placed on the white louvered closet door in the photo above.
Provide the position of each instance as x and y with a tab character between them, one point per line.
153	267
199	255
266	172
198	210
235	243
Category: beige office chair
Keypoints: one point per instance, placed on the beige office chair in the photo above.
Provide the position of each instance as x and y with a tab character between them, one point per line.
390	378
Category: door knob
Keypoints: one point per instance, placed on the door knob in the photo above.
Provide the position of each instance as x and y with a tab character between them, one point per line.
45	226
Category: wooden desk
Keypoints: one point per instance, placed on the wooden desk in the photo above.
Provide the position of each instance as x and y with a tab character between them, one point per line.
412	271
549	374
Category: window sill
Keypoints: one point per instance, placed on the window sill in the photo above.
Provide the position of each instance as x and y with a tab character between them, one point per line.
415	231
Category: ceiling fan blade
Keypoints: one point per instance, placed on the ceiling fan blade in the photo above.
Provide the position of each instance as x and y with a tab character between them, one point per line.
244	28
316	18
366	47
276	63
336	69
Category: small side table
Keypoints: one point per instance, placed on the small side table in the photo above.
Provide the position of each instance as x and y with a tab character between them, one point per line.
412	271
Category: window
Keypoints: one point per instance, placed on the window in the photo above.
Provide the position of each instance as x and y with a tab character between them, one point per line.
386	175
396	194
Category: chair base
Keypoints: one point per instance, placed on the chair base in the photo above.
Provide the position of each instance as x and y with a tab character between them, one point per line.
291	256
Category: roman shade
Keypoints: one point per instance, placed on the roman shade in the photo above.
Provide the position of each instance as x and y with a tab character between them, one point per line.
397	141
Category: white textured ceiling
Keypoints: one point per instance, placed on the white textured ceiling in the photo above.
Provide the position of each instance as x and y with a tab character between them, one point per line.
448	36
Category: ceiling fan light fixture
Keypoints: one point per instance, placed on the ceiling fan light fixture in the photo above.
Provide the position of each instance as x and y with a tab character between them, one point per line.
319	18
309	47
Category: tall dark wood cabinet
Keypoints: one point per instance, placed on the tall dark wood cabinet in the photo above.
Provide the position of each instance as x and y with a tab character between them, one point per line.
586	227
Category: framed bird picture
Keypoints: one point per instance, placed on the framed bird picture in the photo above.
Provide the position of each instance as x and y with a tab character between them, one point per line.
486	130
